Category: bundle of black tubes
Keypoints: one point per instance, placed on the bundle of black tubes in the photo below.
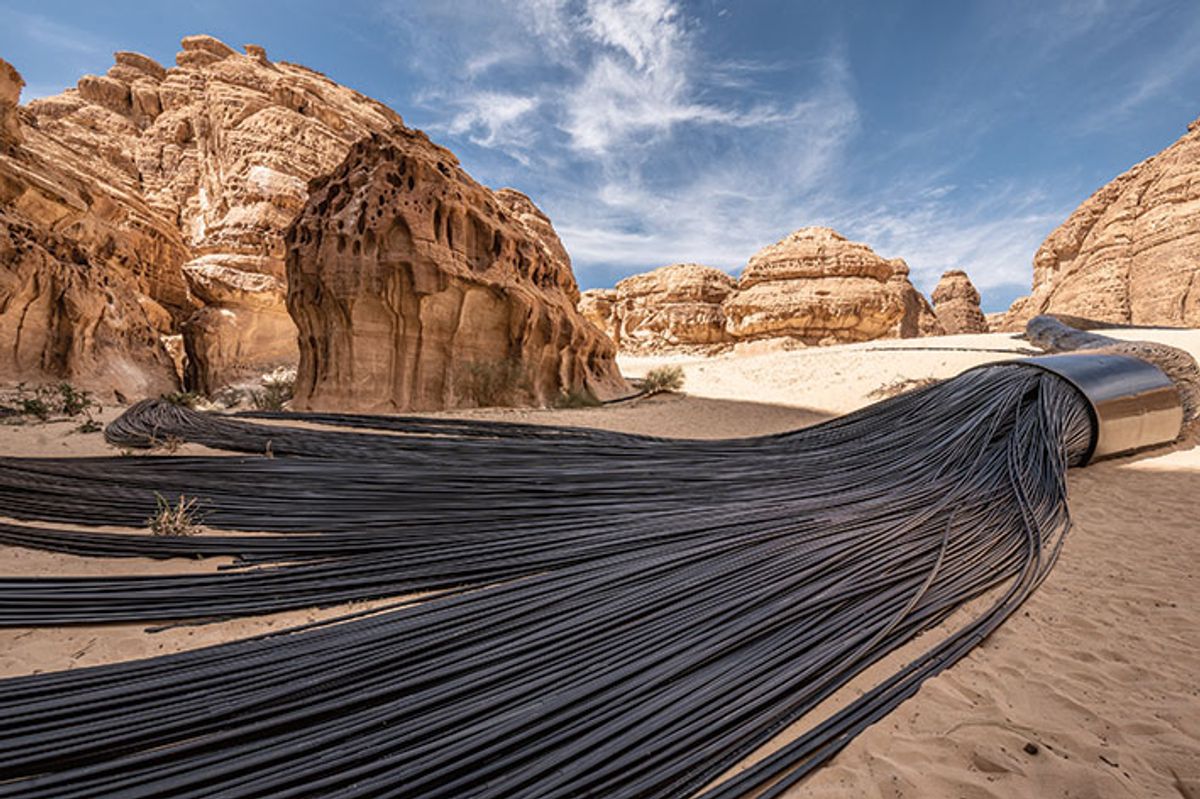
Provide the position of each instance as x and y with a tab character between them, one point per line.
596	614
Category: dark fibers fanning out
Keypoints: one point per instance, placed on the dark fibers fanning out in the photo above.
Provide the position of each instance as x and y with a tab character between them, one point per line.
608	615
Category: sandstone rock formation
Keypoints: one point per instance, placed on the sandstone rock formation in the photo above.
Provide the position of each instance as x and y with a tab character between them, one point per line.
816	286
1131	252
413	287
85	278
813	287
195	170
676	306
956	302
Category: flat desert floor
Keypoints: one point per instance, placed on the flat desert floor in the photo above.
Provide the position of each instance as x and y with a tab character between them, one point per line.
1091	690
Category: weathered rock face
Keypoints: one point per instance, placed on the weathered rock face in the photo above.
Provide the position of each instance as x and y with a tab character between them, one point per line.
671	307
207	162
817	287
10	96
413	287
956	301
1131	253
82	260
813	287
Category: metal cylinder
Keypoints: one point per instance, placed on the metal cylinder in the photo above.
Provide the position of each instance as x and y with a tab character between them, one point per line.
1133	404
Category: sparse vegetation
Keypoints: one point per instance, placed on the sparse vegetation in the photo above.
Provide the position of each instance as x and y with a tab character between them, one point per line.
169	443
579	398
662	379
48	403
184	399
179	519
901	386
492	383
277	390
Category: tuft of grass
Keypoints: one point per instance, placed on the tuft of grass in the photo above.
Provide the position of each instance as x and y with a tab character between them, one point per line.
579	398
179	519
90	426
662	379
169	443
492	383
902	386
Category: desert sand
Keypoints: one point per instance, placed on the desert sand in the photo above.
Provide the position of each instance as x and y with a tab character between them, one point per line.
1090	691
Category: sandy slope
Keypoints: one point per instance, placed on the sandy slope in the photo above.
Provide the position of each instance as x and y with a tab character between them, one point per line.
1098	672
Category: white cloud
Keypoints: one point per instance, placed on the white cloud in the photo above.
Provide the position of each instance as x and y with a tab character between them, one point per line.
493	119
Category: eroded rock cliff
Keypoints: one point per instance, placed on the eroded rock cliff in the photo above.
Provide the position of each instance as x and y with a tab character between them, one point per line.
414	287
1131	252
194	170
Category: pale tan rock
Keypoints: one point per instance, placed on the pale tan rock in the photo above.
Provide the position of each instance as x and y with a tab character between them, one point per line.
956	301
673	306
597	306
1131	252
817	287
215	154
10	98
413	286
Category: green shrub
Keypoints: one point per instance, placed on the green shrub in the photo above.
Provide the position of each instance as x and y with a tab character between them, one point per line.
662	379
184	399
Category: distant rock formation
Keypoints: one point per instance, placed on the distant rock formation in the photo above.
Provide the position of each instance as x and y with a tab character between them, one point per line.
414	287
676	306
1130	253
956	302
813	287
177	184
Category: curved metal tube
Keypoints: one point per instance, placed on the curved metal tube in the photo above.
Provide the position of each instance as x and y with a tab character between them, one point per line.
1133	404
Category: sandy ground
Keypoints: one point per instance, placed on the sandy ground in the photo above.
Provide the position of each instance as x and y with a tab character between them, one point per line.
1100	671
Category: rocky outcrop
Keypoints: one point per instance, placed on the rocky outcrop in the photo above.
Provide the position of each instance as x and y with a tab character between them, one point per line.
1131	252
85	265
676	306
196	170
956	302
817	287
10	97
813	287
414	287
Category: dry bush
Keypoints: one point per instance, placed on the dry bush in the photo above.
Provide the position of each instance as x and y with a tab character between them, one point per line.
662	379
277	390
183	518
902	386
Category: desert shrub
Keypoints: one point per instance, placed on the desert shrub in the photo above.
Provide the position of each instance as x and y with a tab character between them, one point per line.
184	399
661	379
492	383
48	402
183	518
579	398
277	390
89	426
168	443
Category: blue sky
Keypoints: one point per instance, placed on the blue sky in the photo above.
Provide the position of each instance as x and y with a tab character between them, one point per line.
951	134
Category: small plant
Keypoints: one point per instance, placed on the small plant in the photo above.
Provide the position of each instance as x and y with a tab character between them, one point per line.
579	398
662	379
171	519
168	443
184	399
492	383
90	426
900	386
278	388
46	403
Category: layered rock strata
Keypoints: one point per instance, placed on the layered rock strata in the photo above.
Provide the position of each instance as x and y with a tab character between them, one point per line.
956	302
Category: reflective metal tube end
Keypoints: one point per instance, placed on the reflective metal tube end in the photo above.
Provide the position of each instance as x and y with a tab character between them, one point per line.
1134	404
